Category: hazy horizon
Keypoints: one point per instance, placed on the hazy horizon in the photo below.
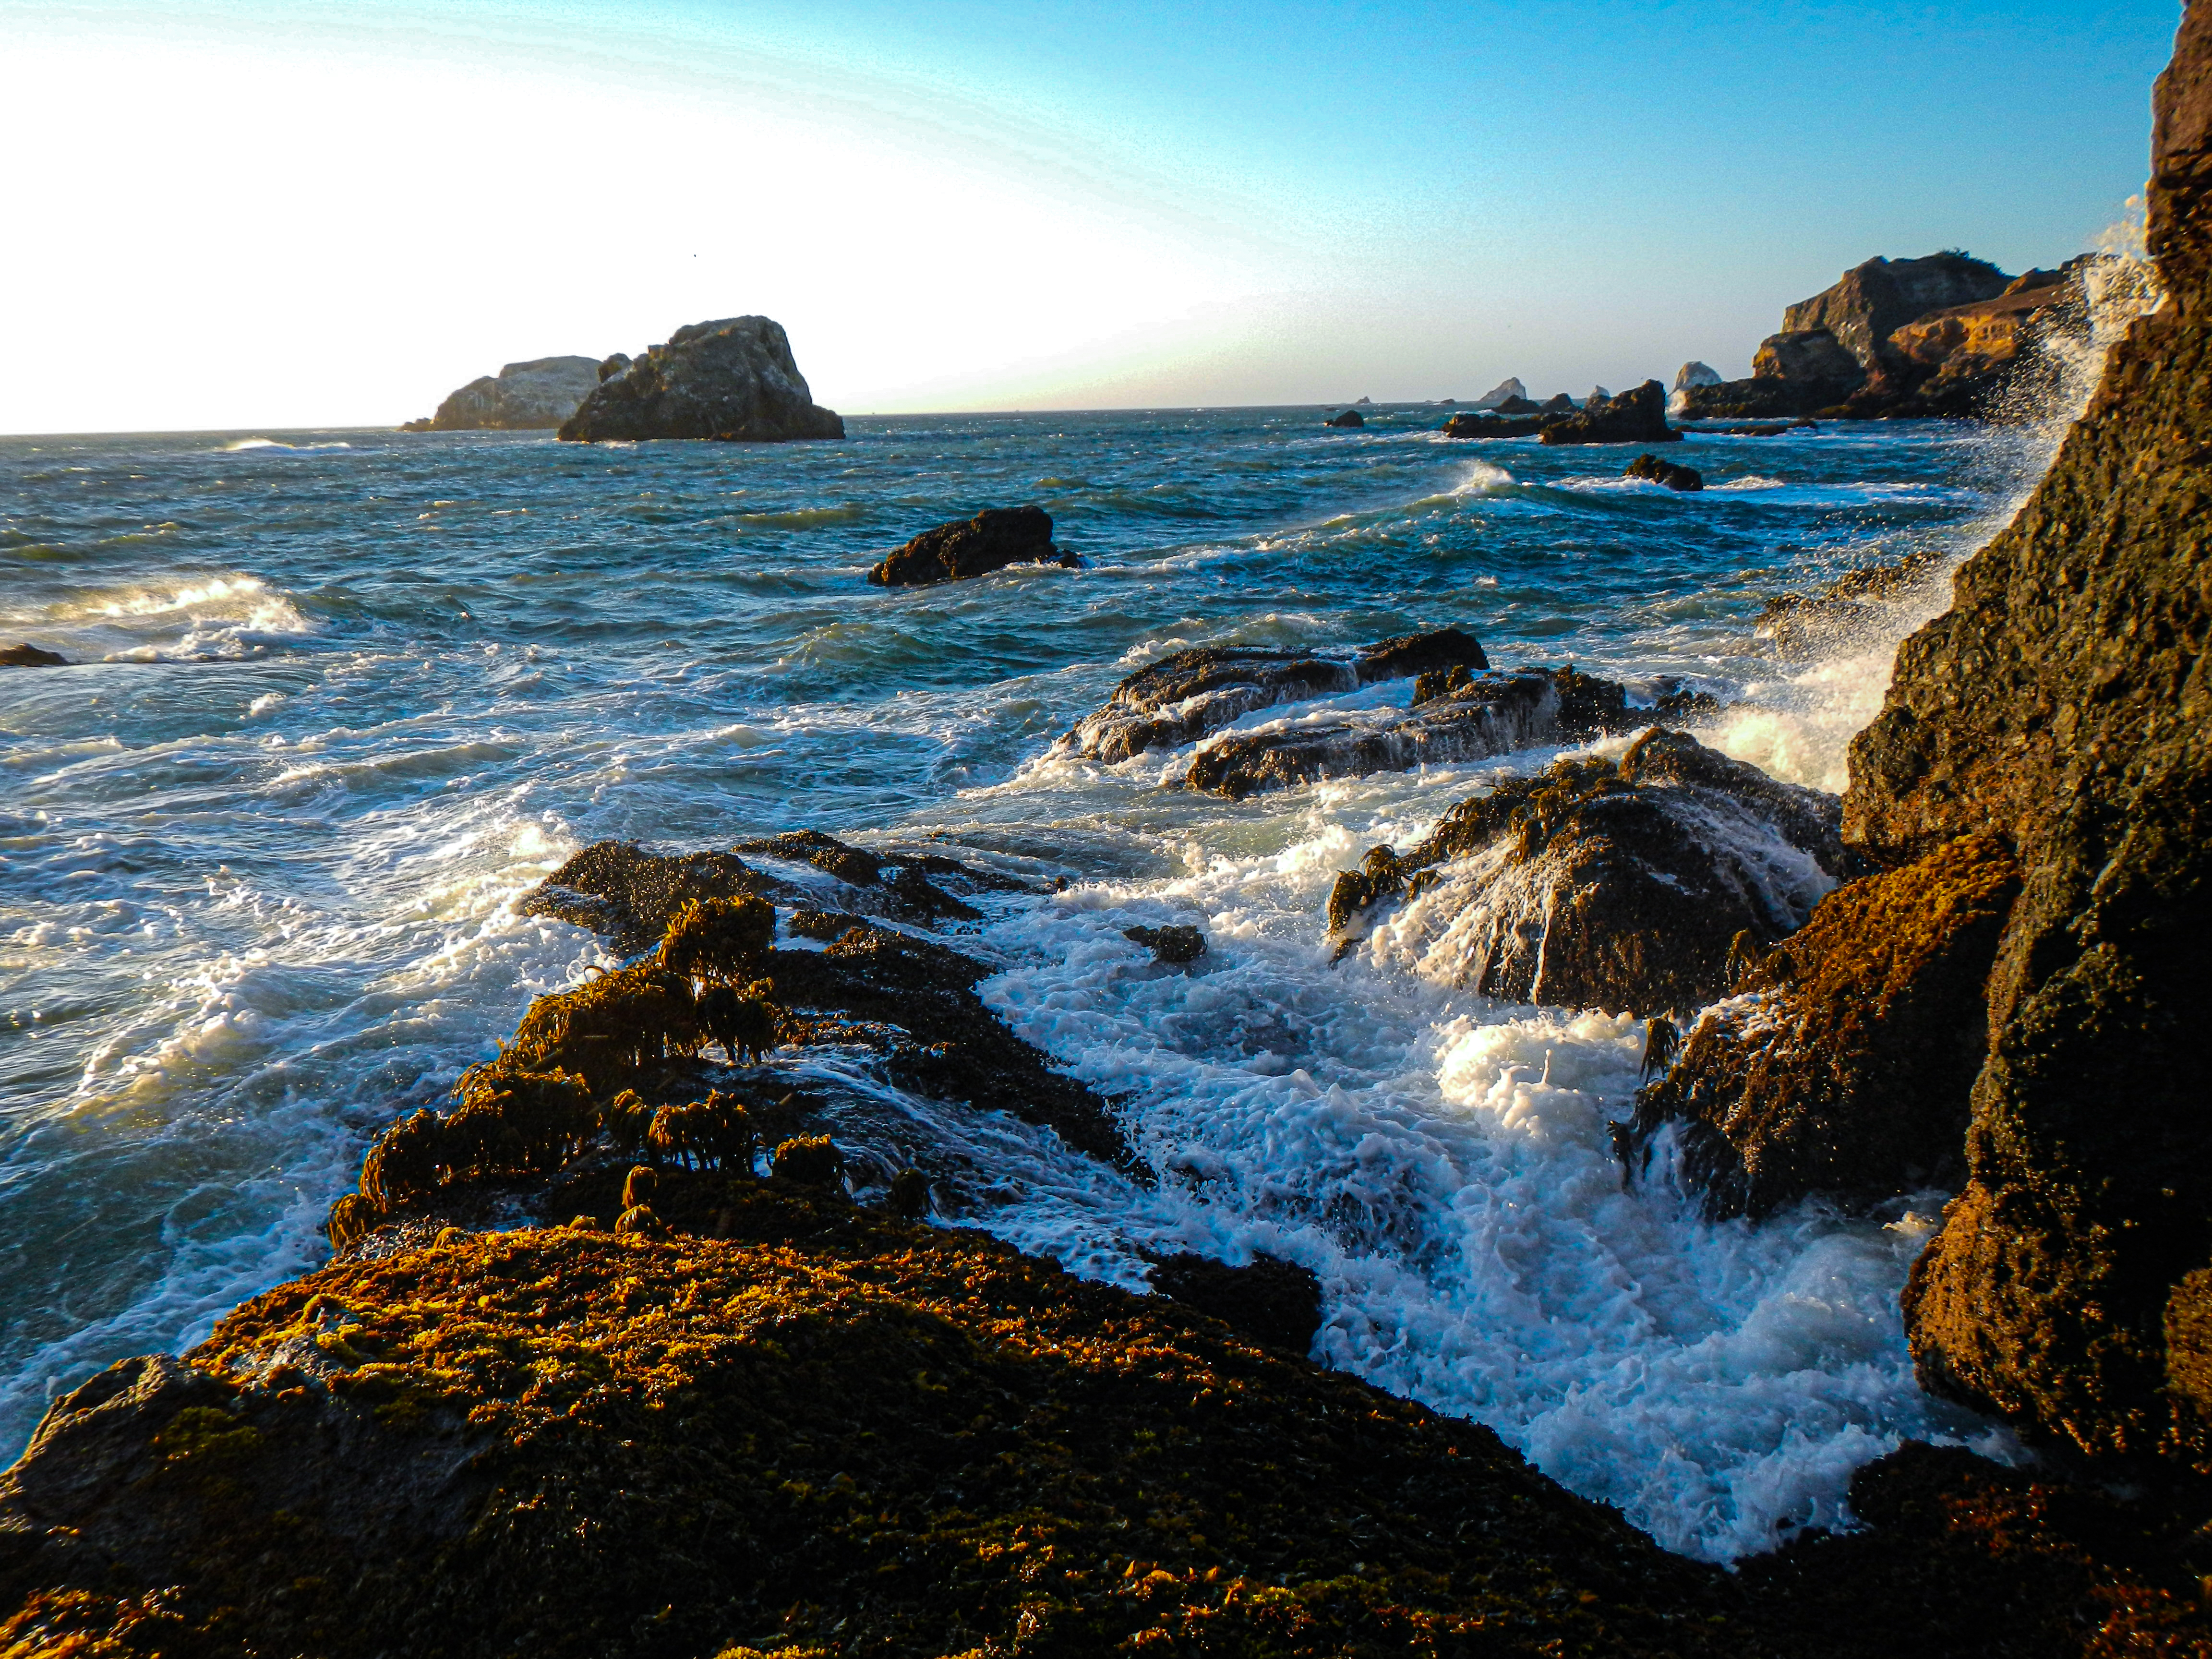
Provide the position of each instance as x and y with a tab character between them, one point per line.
242	217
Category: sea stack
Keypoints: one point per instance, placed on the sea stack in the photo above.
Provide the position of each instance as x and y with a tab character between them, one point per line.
734	381
522	397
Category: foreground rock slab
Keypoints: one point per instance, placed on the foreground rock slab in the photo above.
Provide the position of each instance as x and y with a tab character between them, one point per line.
734	381
994	538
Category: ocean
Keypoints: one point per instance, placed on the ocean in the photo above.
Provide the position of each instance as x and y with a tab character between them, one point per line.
351	694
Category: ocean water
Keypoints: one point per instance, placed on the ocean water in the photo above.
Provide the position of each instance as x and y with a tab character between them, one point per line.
352	694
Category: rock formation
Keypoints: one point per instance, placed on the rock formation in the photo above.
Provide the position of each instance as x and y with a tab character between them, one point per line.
1638	416
734	380
994	538
2059	715
1185	695
30	656
1506	389
1696	373
1652	469
523	396
1350	418
1622	885
1464	425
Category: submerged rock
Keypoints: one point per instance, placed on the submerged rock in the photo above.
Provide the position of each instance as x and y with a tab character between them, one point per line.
994	538
734	381
1655	471
523	396
1176	944
1842	1063
1638	416
30	656
1492	714
1620	885
1183	696
1804	624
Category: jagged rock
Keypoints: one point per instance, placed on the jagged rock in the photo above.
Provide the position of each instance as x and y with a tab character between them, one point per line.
1273	1301
2062	707
1655	471
1183	696
1619	885
1638	416
1518	406
30	656
1842	1063
1511	386
1489	714
1696	373
1464	425
1176	944
1871	301
994	538
734	380
1812	360
1598	395
1349	417
1802	624
524	397
1558	404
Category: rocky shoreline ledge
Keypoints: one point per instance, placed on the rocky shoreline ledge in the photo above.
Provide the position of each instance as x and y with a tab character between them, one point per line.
618	1356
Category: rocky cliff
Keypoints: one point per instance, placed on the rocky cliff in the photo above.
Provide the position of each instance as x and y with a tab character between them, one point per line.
734	380
522	397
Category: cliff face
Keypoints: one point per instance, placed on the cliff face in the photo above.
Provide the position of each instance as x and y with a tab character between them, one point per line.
734	380
2062	707
522	397
1872	300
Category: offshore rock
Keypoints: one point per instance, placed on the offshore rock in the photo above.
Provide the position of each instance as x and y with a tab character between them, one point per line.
1519	406
1558	404
1506	389
30	656
1651	469
1176	944
870	1436
2063	707
1811	360
1185	695
1623	886
994	538
734	381
1696	373
1638	416
1464	425
1274	1302
1492	714
523	396
1842	1064
1871	302
1349	417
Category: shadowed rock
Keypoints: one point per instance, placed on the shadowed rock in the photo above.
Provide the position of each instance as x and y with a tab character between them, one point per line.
30	656
1183	696
734	381
523	396
1350	418
1271	1301
1638	416
1176	944
994	538
1655	471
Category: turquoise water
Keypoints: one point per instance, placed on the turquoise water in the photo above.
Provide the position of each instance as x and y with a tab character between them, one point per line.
351	693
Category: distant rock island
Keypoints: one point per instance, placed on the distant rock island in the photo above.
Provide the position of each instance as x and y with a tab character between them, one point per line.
1948	335
521	398
734	381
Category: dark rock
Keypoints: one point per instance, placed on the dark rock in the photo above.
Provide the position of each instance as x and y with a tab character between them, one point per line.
809	1160
2062	707
1466	425
994	538
1804	624
619	889
30	656
1558	404
1871	301
909	1195
523	396
1492	714
1813	362
1505	390
1183	696
1754	400
734	380
1522	406
1350	418
1655	471
1774	430
1176	944
618	363
1271	1301
1638	416
1679	705
1618	885
1843	1062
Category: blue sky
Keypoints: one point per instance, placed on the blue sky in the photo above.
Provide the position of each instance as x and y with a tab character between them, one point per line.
333	213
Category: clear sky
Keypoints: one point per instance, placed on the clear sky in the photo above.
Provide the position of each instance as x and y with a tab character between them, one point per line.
235	214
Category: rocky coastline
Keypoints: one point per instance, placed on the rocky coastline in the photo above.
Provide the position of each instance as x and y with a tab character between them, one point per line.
622	1354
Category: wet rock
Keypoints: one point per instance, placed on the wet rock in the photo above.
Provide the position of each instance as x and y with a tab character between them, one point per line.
1176	944
1796	625
1638	416
1271	1301
1696	373
1520	406
1652	468
1464	425
734	381
523	396
809	1160
1843	1063
1812	362
30	656
1183	696
619	889
1558	404
1620	885
2062	706
1487	715
1753	400
1349	417
994	538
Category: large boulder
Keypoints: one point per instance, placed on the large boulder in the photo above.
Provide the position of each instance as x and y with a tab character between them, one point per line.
1466	717
1623	885
994	538
1651	469
1842	1064
1638	416
30	656
1183	696
734	380
523	396
1811	359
